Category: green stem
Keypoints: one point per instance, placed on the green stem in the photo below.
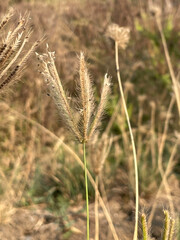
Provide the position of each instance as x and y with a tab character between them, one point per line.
86	183
96	210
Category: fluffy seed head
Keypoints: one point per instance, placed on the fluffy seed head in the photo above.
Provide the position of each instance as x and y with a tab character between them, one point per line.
88	120
12	61
103	101
85	95
56	90
120	35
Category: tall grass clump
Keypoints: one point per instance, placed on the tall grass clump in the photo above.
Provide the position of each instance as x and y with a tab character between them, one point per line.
83	120
120	35
13	59
14	54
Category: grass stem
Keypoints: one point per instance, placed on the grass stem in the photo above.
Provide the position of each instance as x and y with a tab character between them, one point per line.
132	141
96	210
170	67
86	183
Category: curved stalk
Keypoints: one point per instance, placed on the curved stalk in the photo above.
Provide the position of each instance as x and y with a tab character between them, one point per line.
132	141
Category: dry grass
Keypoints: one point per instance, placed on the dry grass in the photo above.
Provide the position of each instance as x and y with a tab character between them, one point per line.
12	62
27	146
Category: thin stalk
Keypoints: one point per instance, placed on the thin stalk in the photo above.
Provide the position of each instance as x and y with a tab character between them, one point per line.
86	183
152	131
170	163
168	60
104	196
132	141
96	210
139	138
164	138
164	173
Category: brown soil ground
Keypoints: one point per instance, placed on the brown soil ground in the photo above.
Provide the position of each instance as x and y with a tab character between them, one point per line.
39	224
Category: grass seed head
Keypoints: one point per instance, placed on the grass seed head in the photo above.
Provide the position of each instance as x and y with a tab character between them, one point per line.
83	127
86	97
12	58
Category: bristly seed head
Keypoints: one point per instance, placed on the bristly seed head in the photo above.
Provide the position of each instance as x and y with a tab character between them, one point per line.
12	61
87	121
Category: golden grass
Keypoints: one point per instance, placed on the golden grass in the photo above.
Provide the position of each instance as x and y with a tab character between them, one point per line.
75	156
156	146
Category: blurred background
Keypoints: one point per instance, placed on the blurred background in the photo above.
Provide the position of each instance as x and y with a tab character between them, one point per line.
42	191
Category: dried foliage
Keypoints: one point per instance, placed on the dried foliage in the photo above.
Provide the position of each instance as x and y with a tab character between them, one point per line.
99	150
12	58
70	28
